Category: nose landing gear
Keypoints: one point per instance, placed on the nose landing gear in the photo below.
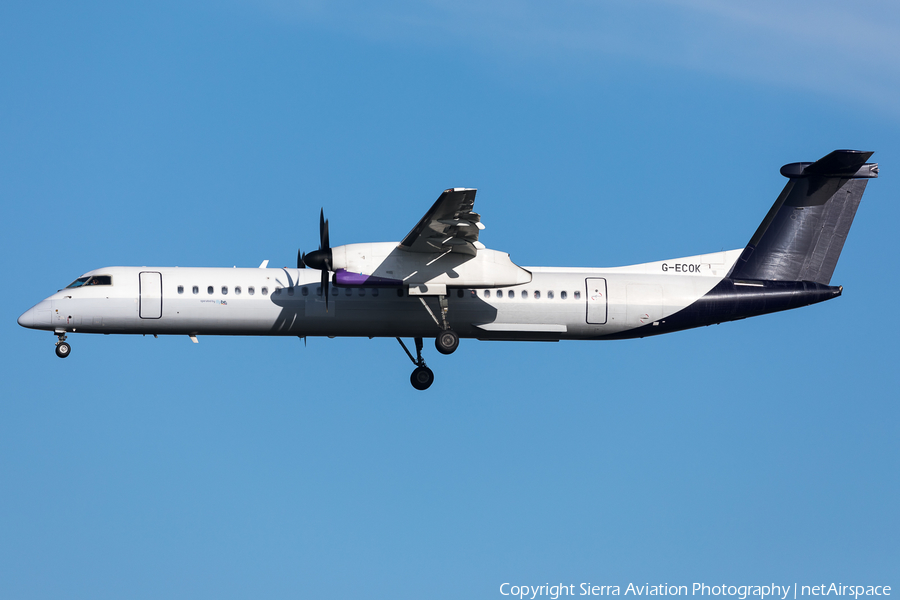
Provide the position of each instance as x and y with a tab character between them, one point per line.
422	377
62	348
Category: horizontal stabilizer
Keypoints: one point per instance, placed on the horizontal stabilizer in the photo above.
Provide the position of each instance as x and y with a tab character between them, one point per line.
802	236
840	163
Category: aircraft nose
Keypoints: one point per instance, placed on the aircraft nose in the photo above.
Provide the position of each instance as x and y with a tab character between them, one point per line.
37	317
27	318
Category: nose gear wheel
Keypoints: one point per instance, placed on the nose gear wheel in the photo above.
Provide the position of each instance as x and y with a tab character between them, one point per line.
62	348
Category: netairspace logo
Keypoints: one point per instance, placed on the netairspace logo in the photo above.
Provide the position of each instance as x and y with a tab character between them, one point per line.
741	592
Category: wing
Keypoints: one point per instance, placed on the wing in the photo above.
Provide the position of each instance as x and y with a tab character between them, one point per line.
449	226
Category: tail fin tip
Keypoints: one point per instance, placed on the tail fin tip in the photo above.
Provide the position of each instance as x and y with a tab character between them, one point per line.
840	163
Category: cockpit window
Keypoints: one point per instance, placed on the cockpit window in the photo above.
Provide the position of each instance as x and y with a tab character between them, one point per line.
78	282
92	280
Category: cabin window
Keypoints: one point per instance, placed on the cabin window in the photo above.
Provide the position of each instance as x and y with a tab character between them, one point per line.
487	293
276	292
362	291
318	290
237	289
563	295
399	292
550	295
510	294
459	293
473	293
537	294
224	290
195	289
304	290
524	294
209	290
577	295
265	291
375	292
348	292
180	289
251	290
290	291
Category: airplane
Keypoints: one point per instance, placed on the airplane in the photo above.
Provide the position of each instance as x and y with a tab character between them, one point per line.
440	281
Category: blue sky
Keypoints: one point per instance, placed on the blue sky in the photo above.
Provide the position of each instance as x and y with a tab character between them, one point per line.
598	134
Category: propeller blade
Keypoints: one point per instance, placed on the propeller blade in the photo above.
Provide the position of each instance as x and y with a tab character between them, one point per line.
323	230
321	259
300	263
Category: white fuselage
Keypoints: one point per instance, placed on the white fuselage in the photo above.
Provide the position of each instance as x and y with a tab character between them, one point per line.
441	282
558	303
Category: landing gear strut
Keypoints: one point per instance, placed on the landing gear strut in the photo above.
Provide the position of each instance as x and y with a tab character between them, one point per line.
447	340
62	348
422	377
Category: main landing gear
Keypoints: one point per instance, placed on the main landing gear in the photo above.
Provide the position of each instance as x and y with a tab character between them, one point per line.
62	348
422	377
446	342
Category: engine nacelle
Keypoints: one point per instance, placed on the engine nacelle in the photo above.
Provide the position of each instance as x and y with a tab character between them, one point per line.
384	264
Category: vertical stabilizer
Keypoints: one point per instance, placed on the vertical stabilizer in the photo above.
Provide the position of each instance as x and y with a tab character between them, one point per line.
802	236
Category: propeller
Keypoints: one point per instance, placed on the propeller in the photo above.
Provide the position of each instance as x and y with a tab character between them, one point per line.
319	259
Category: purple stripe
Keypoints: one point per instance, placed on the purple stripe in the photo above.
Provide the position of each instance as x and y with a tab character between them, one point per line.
344	277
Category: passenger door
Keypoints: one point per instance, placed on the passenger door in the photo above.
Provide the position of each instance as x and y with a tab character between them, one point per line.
151	295
596	300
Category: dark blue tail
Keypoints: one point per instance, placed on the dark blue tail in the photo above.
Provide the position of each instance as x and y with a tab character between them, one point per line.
802	236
